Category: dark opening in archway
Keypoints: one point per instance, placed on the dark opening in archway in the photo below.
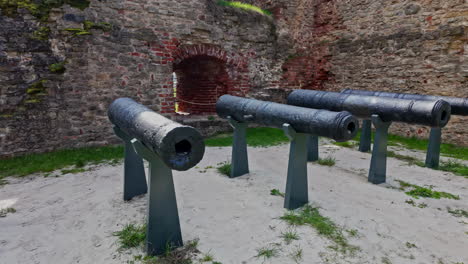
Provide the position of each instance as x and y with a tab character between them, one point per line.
200	81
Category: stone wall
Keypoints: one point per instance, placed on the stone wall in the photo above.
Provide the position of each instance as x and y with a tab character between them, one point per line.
403	46
134	47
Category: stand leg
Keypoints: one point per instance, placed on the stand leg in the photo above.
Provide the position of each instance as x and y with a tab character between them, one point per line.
134	171
366	136
312	148
163	226
240	161
433	150
296	184
378	167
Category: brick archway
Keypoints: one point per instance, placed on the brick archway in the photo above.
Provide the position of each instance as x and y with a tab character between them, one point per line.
204	73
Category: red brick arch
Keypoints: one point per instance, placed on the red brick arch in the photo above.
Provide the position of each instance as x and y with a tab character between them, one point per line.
204	73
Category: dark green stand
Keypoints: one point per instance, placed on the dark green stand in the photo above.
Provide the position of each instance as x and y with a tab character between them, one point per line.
378	167
240	161
312	148
433	150
296	194
163	226
134	171
366	136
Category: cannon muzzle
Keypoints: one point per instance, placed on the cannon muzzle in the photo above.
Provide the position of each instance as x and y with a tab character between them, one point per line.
429	113
340	126
180	147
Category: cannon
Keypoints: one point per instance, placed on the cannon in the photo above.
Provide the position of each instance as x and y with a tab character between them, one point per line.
459	106
382	111
166	145
298	124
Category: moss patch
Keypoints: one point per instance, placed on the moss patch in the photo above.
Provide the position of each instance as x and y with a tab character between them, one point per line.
244	6
39	9
58	67
41	33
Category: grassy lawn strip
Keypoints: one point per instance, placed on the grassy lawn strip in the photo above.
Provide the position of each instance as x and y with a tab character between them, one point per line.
47	162
256	137
311	216
244	6
448	150
419	191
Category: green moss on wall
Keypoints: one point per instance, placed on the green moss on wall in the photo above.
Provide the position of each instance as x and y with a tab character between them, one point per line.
39	9
58	67
42	33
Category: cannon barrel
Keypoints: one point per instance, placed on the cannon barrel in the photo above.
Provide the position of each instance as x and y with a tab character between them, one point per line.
180	147
428	113
340	126
459	105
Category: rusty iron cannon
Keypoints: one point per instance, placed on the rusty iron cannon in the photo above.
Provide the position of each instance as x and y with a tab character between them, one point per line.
459	106
298	123
166	145
382	111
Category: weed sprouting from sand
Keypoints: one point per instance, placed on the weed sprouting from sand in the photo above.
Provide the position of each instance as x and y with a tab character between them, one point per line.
409	159
224	168
9	210
454	166
131	236
352	232
418	191
296	255
183	255
386	260
276	192
289	236
328	161
72	171
207	257
311	216
268	252
458	212
410	245
413	203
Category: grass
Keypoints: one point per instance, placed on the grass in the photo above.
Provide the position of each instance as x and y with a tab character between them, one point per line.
224	168
411	245
131	236
328	161
244	6
419	191
276	192
413	203
289	236
296	255
268	252
311	216
256	137
47	162
458	212
9	210
347	144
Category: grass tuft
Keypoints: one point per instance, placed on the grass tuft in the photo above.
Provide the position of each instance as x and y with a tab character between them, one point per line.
244	6
328	161
268	252
224	168
256	137
419	191
289	236
296	255
131	236
9	210
276	192
458	212
311	216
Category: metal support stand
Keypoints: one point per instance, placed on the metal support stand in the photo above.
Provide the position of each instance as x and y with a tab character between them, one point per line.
240	161
433	150
312	148
378	167
134	171
163	226
366	136
296	194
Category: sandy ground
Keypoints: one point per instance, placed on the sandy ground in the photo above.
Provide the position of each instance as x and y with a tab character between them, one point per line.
71	218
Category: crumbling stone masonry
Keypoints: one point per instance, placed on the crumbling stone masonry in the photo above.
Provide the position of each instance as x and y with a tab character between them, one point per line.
58	76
